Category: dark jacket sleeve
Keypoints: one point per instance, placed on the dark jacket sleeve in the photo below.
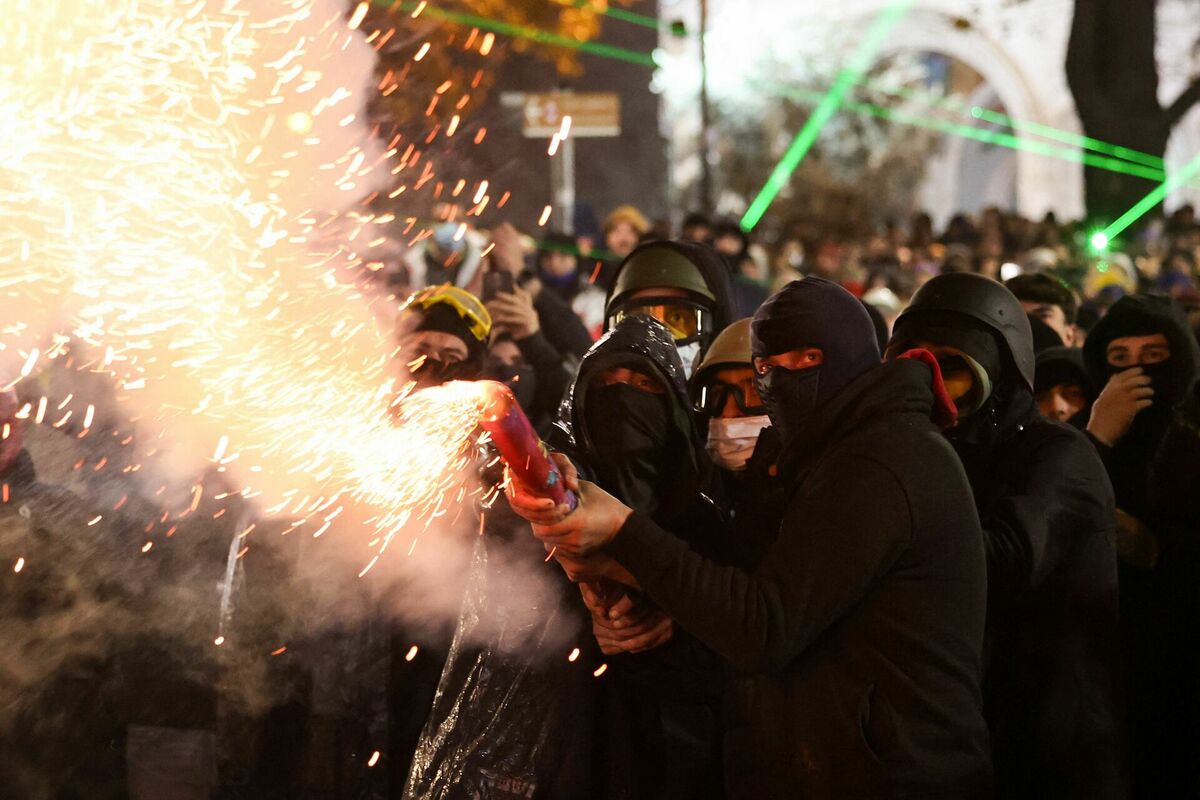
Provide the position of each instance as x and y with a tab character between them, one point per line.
552	376
561	327
838	536
1062	492
1175	471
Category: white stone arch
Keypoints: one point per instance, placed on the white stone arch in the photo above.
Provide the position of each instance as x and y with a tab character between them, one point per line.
1043	183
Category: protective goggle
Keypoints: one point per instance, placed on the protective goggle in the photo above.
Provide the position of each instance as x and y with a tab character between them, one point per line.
479	321
686	321
712	399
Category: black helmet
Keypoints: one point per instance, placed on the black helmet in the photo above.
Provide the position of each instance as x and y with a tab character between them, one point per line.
985	300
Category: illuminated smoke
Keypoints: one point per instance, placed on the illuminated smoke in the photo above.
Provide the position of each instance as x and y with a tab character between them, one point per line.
167	189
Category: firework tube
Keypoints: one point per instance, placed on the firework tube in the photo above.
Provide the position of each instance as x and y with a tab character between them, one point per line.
520	446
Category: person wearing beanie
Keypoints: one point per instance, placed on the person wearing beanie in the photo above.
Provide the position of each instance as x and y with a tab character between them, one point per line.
442	335
623	231
853	646
1051	687
1061	385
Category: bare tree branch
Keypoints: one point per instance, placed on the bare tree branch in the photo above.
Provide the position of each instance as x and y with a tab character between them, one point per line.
1188	98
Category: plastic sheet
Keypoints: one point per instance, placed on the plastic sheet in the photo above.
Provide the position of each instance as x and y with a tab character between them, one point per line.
501	725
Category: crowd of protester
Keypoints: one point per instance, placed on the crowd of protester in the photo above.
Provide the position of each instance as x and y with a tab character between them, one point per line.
913	515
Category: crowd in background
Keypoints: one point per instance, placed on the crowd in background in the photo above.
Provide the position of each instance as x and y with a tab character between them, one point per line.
1071	471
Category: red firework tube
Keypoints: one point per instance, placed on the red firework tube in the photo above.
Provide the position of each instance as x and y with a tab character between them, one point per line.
519	444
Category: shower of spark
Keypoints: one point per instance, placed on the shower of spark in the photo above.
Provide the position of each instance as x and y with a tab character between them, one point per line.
165	182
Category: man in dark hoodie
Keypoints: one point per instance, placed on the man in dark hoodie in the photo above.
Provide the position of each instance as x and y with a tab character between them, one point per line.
1061	385
1145	357
683	285
855	643
518	716
1051	661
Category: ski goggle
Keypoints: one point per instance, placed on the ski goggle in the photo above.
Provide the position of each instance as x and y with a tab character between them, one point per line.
479	321
712	399
686	321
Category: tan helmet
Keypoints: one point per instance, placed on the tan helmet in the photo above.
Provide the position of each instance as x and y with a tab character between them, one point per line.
731	348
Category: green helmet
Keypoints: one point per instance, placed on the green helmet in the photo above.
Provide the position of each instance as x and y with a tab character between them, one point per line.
731	348
655	266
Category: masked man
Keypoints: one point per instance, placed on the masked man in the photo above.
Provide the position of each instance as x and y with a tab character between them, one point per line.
854	645
684	285
1145	357
740	442
1050	675
516	712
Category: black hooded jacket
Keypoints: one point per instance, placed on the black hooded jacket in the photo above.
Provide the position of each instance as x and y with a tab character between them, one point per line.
1051	683
530	723
856	642
640	343
1154	471
1128	461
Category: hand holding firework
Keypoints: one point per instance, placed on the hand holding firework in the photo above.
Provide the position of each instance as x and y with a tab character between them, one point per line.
529	465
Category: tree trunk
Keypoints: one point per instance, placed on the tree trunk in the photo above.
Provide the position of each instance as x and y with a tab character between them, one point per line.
1114	79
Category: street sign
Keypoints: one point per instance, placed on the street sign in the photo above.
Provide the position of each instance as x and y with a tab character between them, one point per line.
593	114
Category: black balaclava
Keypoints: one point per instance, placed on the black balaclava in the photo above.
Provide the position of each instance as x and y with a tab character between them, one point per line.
443	318
631	432
1146	316
813	312
1143	315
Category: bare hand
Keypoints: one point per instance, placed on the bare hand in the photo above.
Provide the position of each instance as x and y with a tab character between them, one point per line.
598	567
630	624
1126	394
535	508
593	524
508	252
514	313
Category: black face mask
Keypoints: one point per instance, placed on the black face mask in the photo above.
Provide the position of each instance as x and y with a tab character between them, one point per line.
630	434
433	372
1164	380
790	396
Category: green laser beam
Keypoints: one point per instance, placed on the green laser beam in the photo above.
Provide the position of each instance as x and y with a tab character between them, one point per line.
824	111
1083	142
986	136
532	34
1141	207
1038	129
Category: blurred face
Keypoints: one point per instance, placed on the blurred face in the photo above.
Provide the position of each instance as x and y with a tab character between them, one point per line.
506	352
1054	317
621	239
421	346
630	377
1138	351
1061	402
559	264
727	244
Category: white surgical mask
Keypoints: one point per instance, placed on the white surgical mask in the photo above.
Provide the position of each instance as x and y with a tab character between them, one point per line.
731	441
689	354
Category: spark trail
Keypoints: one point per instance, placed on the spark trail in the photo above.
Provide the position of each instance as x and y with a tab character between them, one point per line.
165	182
